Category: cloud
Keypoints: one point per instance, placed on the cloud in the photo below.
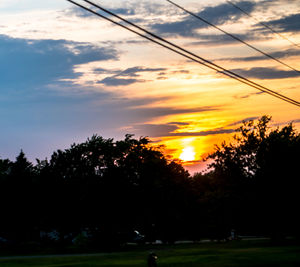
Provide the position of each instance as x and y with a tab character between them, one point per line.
37	63
241	121
276	54
123	11
218	15
160	111
286	24
168	130
154	130
247	95
127	76
266	73
132	72
181	72
222	13
179	123
205	133
79	12
135	112
114	81
221	39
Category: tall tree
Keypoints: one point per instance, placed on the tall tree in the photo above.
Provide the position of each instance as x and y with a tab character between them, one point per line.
256	172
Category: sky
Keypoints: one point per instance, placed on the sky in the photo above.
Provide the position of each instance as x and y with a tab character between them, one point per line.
66	74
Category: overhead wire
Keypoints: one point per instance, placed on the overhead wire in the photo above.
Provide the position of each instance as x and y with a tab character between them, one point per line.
233	36
176	46
263	24
183	52
206	62
231	74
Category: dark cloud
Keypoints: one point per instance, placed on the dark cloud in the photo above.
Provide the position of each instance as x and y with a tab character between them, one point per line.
155	130
286	24
266	73
164	130
141	41
163	73
79	12
221	39
133	72
181	72
241	121
102	71
205	133
179	123
222	13
276	54
40	62
127	76
248	95
114	81
217	15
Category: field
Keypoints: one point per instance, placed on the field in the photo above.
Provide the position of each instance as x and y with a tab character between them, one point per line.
236	253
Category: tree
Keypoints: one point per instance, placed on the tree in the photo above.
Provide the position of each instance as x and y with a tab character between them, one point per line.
257	174
114	186
19	202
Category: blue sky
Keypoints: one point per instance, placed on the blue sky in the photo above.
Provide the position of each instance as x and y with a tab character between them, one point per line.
65	75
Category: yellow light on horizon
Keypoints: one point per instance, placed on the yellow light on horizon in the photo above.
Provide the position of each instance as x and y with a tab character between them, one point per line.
188	154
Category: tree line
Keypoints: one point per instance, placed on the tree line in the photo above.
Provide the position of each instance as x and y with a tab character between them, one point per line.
107	188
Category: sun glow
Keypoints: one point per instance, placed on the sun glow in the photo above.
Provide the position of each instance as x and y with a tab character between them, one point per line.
188	154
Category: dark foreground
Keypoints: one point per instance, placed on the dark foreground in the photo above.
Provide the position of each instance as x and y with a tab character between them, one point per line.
235	253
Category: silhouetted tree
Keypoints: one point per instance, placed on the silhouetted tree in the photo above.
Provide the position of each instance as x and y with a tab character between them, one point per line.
256	177
113	187
19	199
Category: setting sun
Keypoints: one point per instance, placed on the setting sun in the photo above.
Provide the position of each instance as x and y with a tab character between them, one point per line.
188	154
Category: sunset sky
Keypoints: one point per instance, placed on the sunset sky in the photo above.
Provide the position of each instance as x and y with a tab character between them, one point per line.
66	74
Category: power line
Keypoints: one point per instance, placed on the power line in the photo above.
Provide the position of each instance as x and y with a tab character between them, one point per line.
212	65
184	52
206	62
233	36
263	24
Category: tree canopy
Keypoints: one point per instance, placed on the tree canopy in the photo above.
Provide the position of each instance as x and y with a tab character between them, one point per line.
112	187
256	177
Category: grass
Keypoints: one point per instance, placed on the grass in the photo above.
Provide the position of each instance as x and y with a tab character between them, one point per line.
233	254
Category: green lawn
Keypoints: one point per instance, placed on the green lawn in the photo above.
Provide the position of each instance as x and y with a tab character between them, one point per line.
239	254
